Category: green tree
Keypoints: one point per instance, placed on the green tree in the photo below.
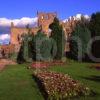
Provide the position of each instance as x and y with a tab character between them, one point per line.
37	42
25	52
94	27
48	49
81	35
42	47
59	38
94	24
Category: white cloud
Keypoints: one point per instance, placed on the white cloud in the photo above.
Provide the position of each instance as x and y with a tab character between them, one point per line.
4	22
87	16
23	21
77	17
4	37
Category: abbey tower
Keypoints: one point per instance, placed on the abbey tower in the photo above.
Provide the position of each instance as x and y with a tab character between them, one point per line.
45	19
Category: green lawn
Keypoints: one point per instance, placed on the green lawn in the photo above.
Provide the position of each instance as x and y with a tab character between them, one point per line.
17	83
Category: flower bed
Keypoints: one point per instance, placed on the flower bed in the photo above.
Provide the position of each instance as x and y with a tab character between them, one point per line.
95	66
46	64
60	86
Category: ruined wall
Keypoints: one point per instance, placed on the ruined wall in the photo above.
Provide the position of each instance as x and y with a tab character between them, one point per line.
16	33
45	19
5	50
69	25
68	28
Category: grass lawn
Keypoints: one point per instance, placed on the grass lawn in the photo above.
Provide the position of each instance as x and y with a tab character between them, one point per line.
16	82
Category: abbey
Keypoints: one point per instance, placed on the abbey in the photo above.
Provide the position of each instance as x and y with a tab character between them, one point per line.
44	20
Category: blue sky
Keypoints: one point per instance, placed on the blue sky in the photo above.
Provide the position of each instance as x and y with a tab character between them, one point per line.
65	8
25	11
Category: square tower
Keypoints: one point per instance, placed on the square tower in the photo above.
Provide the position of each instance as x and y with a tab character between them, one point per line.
45	19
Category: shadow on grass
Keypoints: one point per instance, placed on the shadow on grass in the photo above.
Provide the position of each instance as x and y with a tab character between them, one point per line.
41	87
95	79
92	78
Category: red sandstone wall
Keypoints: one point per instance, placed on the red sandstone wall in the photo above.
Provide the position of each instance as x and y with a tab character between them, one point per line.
45	19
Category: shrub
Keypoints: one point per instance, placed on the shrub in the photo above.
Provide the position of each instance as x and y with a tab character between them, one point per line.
43	47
